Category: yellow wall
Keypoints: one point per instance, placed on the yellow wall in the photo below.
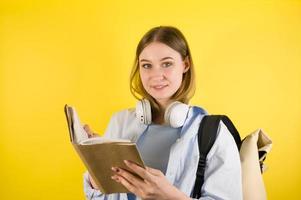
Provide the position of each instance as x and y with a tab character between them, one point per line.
247	57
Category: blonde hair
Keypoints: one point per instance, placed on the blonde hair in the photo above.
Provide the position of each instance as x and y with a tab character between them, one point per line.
173	38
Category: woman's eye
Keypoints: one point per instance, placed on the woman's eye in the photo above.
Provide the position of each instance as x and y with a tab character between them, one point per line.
146	66
167	64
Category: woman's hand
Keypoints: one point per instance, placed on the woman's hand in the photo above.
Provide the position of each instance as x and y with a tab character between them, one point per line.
93	184
89	131
151	183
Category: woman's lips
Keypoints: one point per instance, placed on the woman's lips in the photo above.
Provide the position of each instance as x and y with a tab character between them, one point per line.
158	87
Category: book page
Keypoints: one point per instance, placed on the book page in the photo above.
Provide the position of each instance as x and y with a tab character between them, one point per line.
79	132
101	140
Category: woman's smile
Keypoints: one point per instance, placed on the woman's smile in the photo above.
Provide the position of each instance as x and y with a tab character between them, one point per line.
159	88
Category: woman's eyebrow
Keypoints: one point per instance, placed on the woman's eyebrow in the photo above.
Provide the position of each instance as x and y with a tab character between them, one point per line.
160	60
166	58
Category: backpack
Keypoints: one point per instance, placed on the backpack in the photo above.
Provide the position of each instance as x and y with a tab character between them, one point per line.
253	150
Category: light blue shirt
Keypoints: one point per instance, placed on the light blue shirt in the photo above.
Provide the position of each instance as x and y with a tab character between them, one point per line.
222	178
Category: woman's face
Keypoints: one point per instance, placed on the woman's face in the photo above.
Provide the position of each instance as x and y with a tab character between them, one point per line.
161	70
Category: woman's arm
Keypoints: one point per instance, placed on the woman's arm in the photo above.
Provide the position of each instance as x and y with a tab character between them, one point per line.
222	178
90	192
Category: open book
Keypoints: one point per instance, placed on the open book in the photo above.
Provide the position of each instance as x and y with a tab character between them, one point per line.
99	154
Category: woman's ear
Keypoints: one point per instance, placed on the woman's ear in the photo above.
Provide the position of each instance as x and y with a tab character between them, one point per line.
186	64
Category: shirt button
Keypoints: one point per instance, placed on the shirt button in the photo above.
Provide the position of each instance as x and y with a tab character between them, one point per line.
178	140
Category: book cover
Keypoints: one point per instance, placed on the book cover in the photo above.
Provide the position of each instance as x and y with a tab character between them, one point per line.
99	154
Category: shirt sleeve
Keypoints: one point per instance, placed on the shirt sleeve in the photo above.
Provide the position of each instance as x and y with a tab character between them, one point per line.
91	193
222	178
112	127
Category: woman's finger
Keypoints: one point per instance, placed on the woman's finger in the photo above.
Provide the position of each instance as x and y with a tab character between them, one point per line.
125	183
88	130
134	180
143	173
154	171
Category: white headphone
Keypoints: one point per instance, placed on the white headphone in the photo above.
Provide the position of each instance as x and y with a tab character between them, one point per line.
174	116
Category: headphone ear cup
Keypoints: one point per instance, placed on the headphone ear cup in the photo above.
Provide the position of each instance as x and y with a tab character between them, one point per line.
176	114
167	114
147	111
143	111
139	112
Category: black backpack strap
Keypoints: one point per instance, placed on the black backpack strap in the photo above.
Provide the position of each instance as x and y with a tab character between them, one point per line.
232	129
206	138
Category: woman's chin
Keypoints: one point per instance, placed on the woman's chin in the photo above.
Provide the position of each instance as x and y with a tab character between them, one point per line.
161	98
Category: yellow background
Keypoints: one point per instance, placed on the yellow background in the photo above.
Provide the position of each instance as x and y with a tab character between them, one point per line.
52	52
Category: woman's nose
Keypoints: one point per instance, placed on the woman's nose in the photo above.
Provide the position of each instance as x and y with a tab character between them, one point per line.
157	72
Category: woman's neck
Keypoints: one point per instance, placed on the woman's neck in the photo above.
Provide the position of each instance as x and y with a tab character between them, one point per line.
159	115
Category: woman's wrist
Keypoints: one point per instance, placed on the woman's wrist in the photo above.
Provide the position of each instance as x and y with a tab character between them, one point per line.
179	195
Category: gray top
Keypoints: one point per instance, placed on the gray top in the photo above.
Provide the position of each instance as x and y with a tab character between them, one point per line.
154	145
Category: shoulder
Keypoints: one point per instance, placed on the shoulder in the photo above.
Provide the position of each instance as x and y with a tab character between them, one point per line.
122	115
223	169
122	118
224	143
121	124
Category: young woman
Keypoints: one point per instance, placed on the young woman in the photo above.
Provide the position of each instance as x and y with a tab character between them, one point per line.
165	129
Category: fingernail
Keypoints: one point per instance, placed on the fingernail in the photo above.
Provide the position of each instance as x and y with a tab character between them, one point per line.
115	169
126	162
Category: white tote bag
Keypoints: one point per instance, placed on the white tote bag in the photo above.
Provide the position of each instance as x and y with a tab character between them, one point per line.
253	185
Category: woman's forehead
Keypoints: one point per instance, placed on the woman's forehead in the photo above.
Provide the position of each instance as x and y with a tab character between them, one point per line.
158	51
